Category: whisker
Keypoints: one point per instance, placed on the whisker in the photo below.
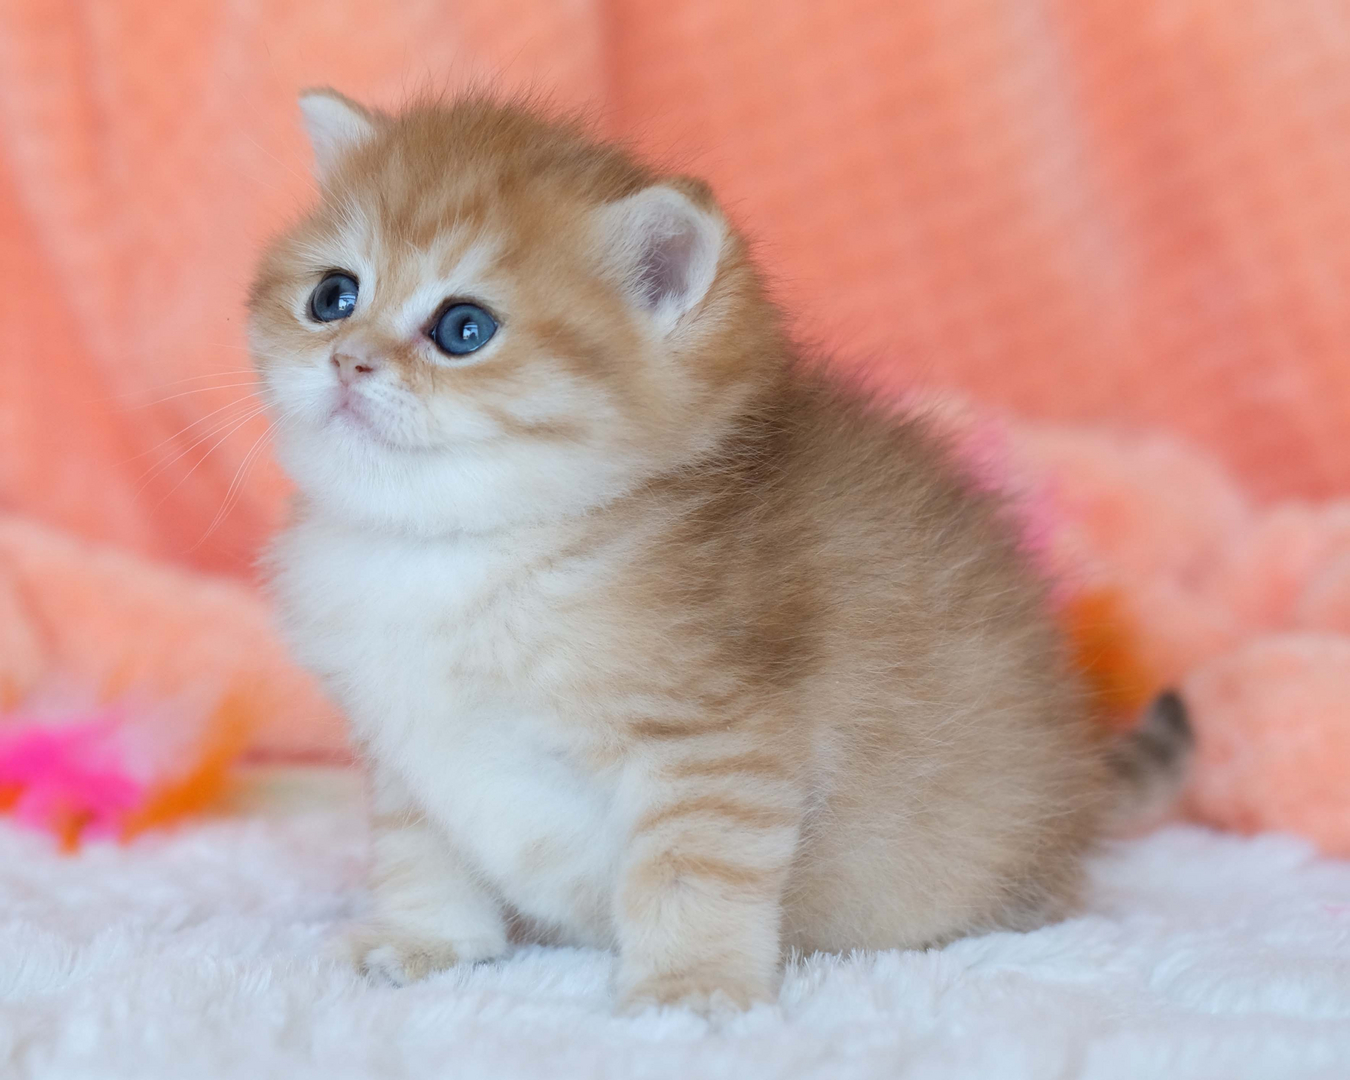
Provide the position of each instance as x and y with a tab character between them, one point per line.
200	437
175	382
189	393
233	425
188	427
235	490
306	180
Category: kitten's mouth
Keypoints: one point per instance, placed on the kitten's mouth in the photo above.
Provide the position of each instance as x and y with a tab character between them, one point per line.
350	413
349	410
355	416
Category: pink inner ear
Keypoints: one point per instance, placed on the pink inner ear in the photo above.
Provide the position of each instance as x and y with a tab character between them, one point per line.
663	268
665	248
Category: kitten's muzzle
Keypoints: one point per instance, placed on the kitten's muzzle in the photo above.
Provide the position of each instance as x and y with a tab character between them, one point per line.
350	368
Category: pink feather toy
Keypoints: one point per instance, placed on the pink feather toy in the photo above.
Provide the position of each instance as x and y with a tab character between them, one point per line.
115	770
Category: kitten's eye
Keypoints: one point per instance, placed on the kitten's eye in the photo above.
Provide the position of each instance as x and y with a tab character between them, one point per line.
464	328
334	298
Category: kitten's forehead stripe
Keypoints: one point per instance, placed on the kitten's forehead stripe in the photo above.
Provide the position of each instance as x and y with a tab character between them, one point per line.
458	264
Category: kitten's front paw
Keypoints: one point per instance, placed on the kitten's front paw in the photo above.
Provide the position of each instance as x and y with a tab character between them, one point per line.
706	993
400	963
401	957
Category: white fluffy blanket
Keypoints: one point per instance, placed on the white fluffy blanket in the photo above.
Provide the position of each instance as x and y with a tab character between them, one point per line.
200	955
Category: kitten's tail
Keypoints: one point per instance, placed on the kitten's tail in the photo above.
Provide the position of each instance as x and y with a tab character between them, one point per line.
1151	764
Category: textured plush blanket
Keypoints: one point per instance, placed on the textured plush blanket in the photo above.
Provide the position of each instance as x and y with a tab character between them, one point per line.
202	955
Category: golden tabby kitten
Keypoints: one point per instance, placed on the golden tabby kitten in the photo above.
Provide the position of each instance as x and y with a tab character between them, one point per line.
651	640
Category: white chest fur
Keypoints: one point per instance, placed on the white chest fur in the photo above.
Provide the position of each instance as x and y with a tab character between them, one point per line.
442	653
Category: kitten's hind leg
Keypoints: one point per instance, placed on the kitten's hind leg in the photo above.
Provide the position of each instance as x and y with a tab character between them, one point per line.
429	913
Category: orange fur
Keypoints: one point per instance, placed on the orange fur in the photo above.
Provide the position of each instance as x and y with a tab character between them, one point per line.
652	636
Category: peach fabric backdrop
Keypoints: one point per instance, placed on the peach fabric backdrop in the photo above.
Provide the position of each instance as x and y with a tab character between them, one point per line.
1084	210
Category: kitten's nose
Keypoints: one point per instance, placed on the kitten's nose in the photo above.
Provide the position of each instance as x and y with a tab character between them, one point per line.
350	368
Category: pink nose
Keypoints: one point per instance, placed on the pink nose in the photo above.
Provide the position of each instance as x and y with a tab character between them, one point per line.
351	368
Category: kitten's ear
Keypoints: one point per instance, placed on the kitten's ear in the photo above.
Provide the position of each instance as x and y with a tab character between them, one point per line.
664	248
336	126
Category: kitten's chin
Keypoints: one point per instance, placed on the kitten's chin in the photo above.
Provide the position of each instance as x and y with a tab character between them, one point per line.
349	420
348	475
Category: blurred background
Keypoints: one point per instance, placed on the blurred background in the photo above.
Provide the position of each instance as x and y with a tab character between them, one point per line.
1080	209
1109	221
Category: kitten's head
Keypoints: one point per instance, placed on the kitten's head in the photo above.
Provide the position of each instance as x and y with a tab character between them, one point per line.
491	318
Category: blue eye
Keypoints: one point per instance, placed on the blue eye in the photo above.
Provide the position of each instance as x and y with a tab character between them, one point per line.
335	298
463	328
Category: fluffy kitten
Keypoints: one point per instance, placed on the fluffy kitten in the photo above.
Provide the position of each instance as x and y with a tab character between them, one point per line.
650	638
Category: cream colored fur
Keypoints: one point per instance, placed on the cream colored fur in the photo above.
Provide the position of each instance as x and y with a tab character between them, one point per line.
652	638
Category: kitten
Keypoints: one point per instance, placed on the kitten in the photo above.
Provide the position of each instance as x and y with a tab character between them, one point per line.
650	637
